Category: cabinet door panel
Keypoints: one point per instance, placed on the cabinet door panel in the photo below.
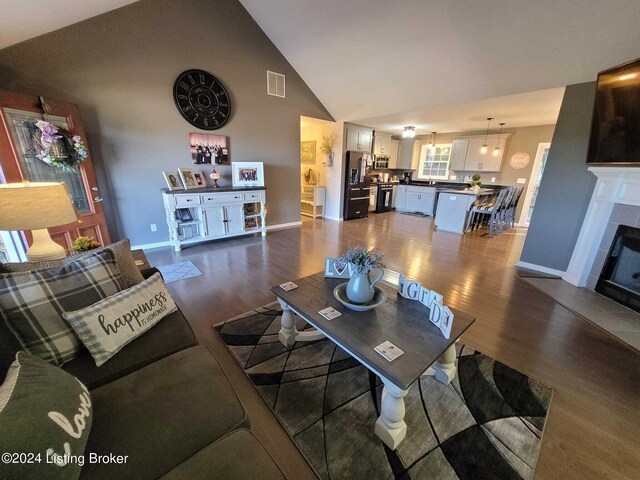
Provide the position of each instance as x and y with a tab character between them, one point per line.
235	219
364	140
213	220
400	196
352	138
413	202
458	154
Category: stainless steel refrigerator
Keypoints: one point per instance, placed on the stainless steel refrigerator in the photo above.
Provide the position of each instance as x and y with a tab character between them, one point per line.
358	166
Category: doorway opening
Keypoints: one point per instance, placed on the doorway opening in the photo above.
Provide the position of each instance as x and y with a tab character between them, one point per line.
315	168
534	185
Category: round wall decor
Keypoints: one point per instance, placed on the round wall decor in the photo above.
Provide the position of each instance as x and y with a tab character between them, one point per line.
201	99
519	160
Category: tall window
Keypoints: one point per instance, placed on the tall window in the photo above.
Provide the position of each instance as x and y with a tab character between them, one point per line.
435	162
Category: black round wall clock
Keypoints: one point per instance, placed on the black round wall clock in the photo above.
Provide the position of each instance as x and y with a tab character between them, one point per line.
201	99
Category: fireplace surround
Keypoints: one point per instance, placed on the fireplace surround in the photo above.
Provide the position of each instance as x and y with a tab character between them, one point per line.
615	185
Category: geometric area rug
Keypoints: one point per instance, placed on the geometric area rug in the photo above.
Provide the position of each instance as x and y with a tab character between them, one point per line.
178	271
487	423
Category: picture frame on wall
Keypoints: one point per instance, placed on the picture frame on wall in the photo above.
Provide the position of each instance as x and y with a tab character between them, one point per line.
209	149
172	179
247	174
308	151
198	176
188	180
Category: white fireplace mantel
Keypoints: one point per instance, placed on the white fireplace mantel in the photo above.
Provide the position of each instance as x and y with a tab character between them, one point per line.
615	185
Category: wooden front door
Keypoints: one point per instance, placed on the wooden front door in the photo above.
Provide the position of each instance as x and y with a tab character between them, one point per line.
18	162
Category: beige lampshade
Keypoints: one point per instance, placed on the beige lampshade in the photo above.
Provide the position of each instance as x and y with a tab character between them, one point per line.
35	205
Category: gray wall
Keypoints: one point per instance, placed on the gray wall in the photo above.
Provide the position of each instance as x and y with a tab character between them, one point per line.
120	67
566	186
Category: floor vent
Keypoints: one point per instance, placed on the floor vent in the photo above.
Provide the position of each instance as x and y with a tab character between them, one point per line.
275	84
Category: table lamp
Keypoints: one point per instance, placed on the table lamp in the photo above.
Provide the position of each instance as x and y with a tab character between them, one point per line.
35	206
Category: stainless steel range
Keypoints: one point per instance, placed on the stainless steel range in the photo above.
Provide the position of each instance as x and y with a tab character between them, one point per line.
384	202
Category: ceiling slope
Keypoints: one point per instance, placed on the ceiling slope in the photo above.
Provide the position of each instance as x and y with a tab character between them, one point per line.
369	58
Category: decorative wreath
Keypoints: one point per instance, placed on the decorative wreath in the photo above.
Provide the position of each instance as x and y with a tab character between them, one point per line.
48	135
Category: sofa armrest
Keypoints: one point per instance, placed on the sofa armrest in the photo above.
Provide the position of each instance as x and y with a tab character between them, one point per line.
147	272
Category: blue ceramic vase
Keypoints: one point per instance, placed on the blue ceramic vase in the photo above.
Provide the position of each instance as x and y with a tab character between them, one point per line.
360	287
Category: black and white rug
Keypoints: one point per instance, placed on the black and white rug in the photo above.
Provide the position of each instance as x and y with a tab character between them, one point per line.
487	423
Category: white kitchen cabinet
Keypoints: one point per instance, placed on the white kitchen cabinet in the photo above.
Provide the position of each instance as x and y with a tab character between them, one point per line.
416	199
359	138
474	161
409	154
393	154
400	198
382	144
234	219
458	155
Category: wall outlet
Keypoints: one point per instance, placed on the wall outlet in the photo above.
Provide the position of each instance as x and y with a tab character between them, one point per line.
154	227
493	179
521	180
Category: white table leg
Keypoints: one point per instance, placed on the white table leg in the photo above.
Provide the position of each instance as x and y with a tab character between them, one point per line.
390	426
444	369
288	332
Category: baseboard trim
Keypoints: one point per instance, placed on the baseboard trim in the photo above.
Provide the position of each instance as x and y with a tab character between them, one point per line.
540	268
148	246
335	219
281	226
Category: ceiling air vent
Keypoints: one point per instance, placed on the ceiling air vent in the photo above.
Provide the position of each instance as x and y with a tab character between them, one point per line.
275	84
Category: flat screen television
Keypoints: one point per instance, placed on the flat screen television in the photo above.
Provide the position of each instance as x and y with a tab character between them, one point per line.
615	128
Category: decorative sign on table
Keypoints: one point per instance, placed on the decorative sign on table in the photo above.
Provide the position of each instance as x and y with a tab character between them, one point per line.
519	160
440	315
334	268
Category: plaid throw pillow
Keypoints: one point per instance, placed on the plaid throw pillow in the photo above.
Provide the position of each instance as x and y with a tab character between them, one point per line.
107	326
122	251
32	303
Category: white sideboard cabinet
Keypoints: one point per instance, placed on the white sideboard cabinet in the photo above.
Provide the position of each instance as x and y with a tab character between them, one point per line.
195	216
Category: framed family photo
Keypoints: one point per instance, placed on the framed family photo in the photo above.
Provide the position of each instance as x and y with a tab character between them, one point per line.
247	174
207	149
188	180
198	176
172	180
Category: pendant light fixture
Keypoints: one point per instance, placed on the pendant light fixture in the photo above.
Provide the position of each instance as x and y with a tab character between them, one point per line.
496	151
432	144
409	132
484	148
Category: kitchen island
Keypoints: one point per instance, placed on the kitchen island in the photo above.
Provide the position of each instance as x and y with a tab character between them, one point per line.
453	208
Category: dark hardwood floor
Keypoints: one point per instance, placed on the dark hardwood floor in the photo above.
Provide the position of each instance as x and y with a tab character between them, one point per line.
593	425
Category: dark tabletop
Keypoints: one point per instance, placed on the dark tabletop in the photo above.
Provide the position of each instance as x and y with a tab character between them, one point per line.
212	190
403	322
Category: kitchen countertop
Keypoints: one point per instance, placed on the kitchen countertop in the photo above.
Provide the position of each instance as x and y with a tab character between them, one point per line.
467	192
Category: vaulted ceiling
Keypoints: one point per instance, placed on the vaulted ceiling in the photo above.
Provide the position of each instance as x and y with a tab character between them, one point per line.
422	62
370	58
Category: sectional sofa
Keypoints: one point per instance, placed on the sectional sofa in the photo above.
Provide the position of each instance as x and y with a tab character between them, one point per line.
164	402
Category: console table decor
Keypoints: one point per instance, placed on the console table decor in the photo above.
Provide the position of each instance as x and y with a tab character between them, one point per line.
209	213
398	320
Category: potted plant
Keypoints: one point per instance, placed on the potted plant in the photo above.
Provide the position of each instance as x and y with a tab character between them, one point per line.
328	142
84	244
360	287
476	183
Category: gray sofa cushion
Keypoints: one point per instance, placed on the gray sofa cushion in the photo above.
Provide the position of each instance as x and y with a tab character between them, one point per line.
169	335
161	415
238	455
